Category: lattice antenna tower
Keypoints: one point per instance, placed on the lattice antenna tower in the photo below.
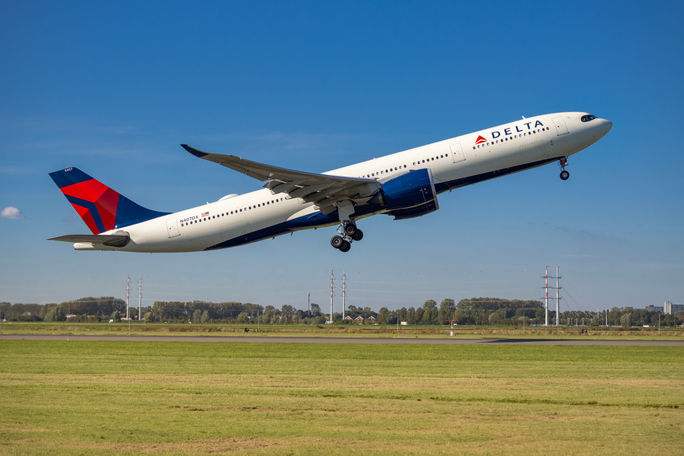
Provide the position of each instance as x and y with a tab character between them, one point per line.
128	295
546	295
548	287
344	293
139	298
332	284
558	297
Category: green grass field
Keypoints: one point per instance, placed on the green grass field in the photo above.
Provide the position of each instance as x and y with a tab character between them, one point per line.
180	329
209	398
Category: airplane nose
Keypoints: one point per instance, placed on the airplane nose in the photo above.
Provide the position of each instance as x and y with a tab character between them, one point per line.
604	127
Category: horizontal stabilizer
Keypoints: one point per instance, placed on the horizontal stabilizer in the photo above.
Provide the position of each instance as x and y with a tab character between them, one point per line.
111	240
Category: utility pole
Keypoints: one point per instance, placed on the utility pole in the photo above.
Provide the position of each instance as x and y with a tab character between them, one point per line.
546	278
128	295
558	298
139	298
331	296
546	296
344	293
128	300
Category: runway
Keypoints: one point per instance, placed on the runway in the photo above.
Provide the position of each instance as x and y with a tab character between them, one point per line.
345	340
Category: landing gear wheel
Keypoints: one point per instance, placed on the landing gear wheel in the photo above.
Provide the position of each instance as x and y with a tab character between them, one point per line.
357	236
337	242
346	245
564	175
349	229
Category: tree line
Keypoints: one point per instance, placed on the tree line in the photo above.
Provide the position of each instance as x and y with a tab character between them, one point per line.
471	311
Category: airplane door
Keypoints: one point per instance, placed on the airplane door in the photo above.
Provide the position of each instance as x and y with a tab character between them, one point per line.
172	227
457	152
561	128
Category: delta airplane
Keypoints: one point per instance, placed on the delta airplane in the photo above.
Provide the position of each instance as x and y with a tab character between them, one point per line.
405	184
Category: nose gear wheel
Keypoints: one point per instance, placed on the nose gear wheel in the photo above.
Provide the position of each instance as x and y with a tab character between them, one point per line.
564	175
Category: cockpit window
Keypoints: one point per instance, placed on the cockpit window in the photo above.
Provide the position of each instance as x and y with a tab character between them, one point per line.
588	118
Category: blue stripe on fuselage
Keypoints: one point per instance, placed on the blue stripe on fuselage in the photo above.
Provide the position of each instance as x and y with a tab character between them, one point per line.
306	221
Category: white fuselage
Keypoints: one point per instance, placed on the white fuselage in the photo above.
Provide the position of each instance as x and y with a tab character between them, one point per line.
455	162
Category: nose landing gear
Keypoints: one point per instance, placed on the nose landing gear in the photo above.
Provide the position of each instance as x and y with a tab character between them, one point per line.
348	233
564	175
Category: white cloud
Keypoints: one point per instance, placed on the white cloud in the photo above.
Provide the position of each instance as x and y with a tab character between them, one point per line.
11	212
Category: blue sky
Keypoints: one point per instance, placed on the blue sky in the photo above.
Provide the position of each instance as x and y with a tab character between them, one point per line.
114	88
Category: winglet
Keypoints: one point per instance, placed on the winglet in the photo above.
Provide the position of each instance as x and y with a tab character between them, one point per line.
193	151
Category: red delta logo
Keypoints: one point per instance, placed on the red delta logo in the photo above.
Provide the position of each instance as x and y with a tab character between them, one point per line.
480	140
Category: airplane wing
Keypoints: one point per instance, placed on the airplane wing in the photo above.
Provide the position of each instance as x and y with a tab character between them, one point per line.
324	190
111	240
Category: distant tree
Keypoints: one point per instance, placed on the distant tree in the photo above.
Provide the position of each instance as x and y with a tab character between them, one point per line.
149	316
494	318
205	316
669	320
411	316
315	309
446	310
626	319
383	316
196	316
418	316
429	315
287	309
55	313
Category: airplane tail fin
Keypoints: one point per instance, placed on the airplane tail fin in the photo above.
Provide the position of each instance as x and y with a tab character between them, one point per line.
100	207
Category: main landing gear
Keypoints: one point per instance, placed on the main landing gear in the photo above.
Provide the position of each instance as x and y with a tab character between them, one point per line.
348	233
564	175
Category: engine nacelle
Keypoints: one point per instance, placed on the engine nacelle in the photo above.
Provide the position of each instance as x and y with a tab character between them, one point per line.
410	195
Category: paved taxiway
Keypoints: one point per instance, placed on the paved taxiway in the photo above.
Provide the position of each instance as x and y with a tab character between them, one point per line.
346	340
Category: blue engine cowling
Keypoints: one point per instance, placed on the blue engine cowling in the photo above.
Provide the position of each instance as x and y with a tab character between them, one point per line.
410	195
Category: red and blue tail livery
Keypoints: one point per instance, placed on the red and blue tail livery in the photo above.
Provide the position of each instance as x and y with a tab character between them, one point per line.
101	208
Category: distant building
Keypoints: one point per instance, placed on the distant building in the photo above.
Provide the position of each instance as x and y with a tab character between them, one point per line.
672	309
653	308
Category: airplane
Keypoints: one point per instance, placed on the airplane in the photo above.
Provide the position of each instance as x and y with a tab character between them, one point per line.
404	185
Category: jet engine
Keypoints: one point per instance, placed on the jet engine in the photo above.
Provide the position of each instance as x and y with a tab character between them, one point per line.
410	195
